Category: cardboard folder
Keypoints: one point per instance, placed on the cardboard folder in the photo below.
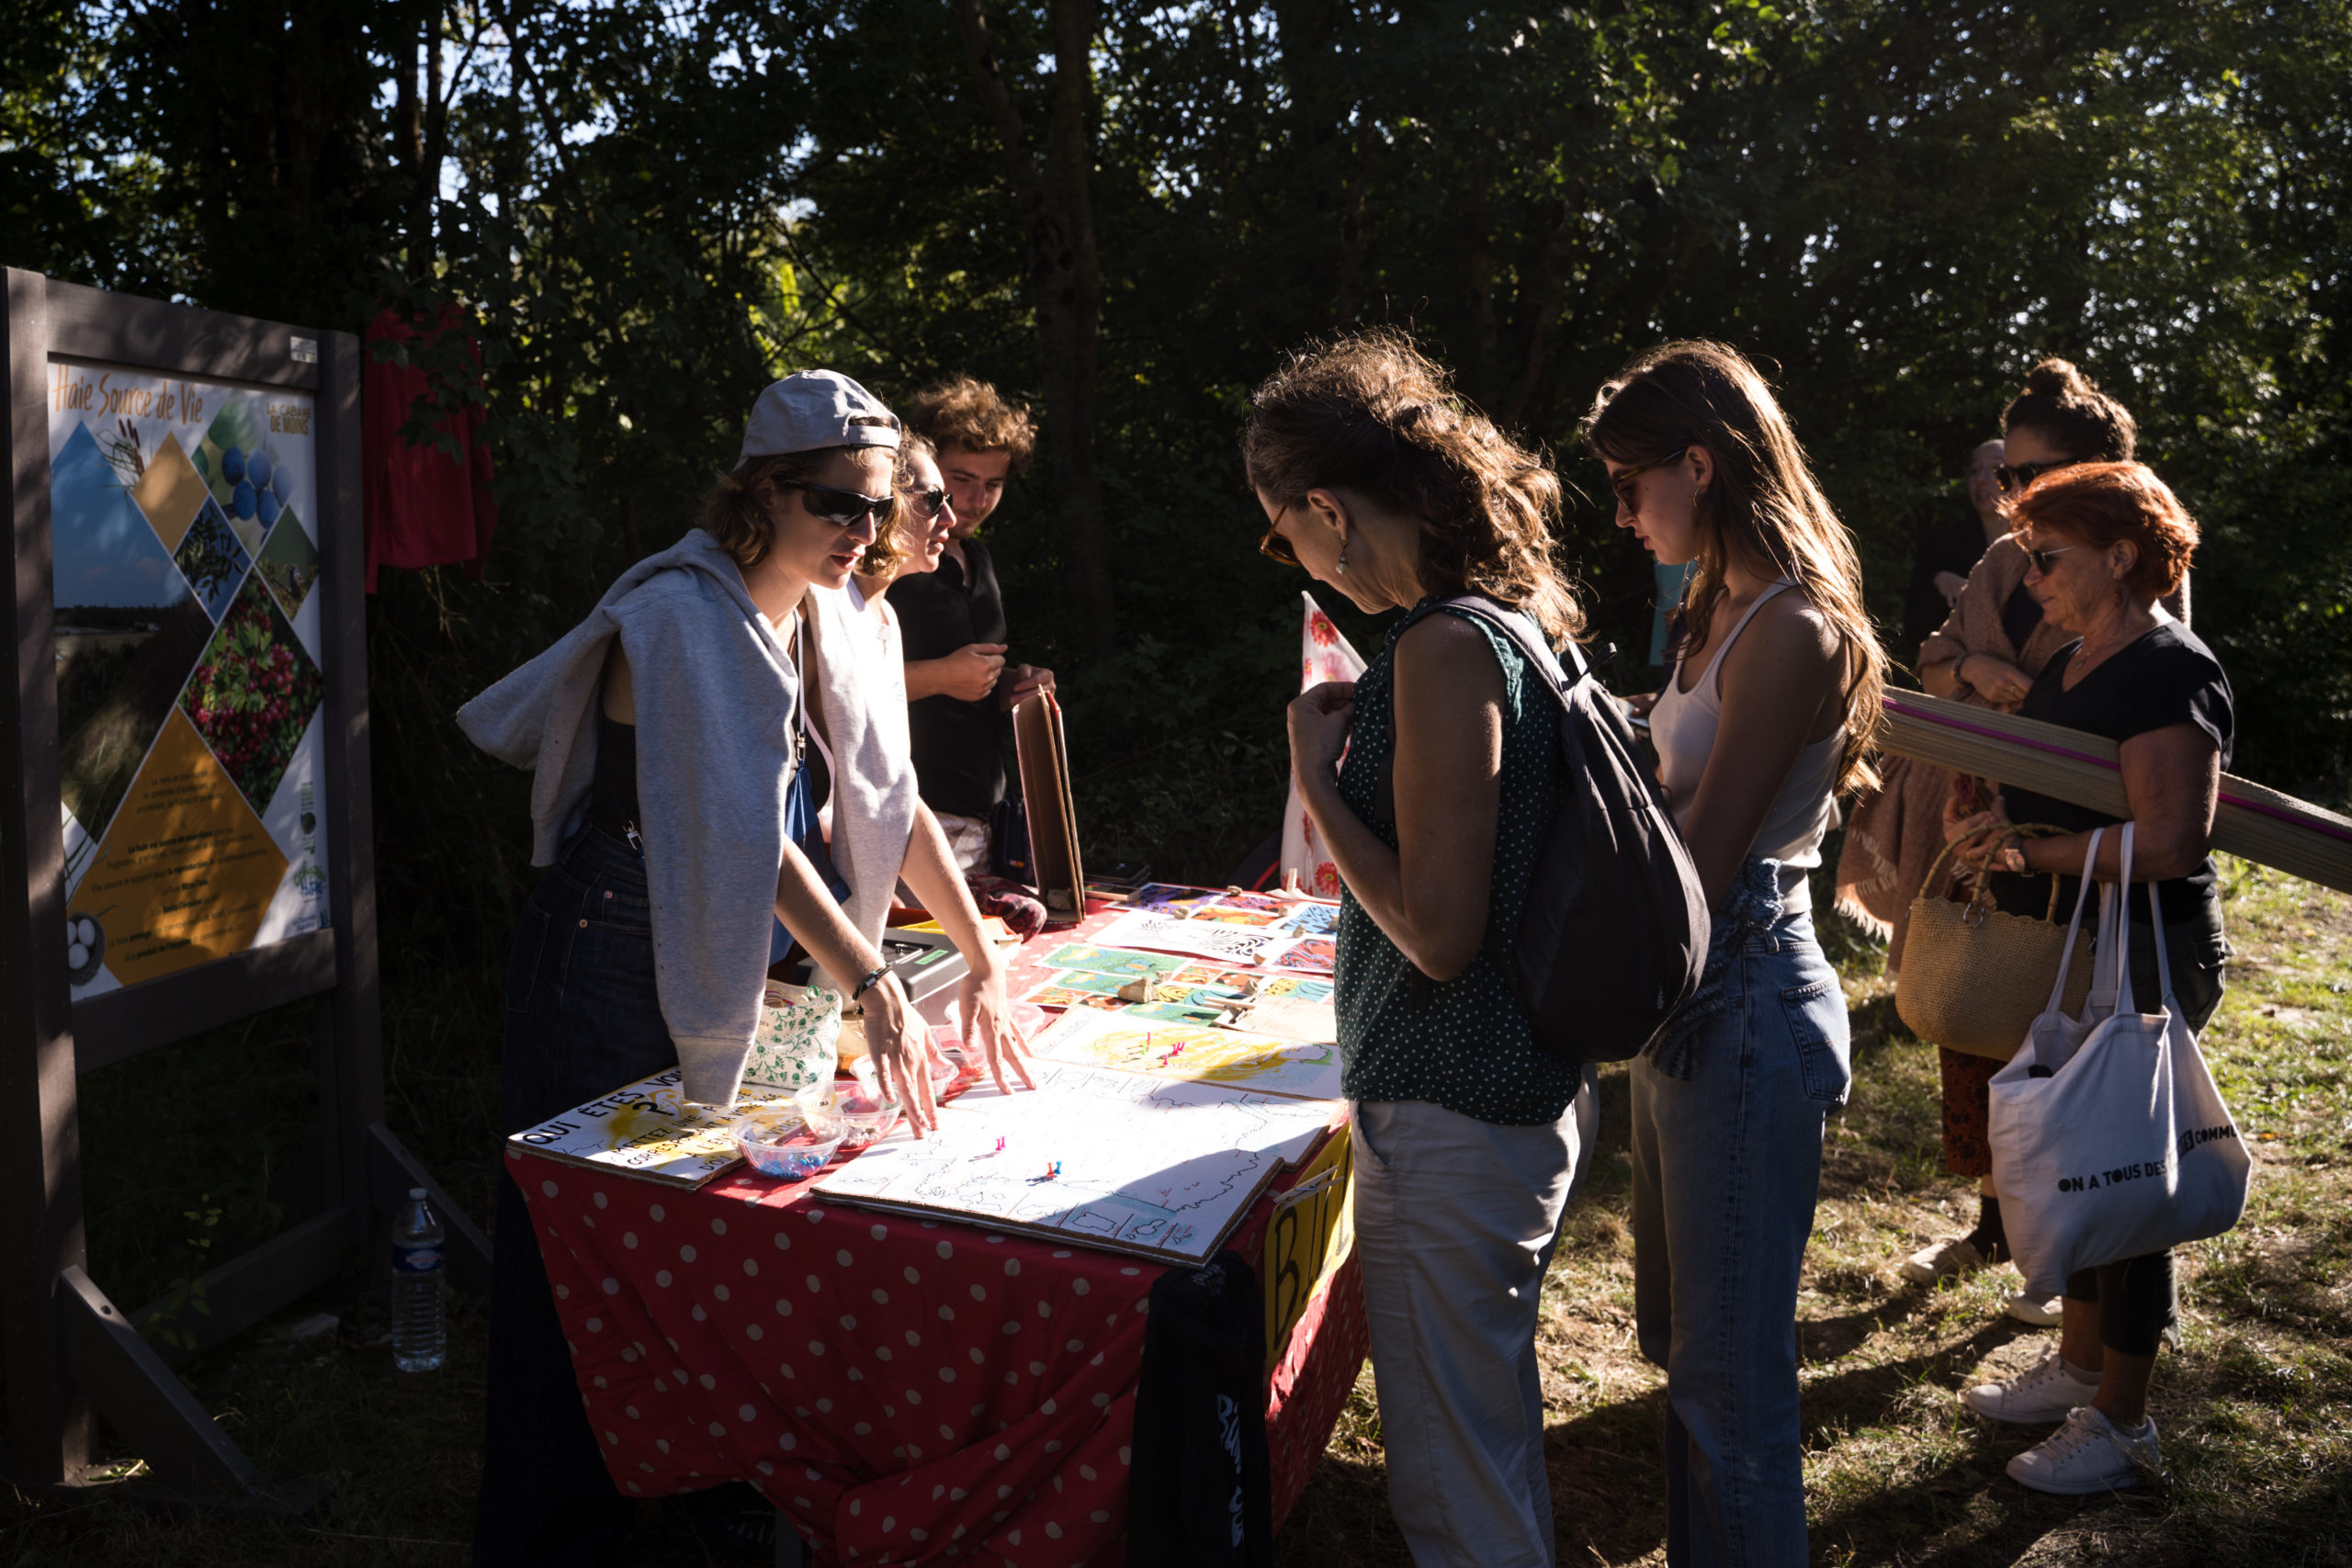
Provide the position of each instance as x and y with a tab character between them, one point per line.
1045	799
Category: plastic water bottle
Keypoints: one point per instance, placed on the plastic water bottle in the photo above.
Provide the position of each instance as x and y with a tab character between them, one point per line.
420	1334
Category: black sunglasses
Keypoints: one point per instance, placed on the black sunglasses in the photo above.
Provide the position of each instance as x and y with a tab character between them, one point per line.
2042	558
842	508
1275	545
927	502
1621	481
2014	476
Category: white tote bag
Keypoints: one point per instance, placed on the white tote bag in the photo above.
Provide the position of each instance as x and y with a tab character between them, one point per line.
2109	1140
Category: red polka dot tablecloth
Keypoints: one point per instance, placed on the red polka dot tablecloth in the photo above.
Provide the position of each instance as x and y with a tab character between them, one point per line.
904	1390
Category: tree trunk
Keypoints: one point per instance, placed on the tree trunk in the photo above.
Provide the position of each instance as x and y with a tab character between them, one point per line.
1065	282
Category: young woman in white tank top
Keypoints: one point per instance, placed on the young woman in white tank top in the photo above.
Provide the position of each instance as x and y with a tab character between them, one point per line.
1773	702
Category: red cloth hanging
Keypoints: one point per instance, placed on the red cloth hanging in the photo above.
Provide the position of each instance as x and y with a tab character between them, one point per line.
424	507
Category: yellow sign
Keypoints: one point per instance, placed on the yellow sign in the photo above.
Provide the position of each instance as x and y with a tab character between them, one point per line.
186	870
1312	1231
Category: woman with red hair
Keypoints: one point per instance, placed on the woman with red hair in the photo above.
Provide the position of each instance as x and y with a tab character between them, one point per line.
2105	542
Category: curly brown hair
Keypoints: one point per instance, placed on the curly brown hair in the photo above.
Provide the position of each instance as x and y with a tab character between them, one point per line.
2066	406
2100	503
1763	505
737	509
1371	413
967	412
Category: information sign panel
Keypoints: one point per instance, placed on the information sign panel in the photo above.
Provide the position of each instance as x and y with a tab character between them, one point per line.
191	673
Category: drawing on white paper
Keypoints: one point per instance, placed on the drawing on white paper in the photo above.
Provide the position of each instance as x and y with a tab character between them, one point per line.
1108	1158
1210	939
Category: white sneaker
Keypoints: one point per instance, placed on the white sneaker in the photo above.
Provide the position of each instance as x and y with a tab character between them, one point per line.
2044	1391
2089	1453
2027	1308
1958	1256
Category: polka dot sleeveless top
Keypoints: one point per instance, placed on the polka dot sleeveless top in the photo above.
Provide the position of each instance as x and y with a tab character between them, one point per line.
1462	1044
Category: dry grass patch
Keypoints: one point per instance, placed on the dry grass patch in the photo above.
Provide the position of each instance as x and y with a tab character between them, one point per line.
2254	1407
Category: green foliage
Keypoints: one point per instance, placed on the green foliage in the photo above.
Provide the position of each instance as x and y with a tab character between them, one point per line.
650	210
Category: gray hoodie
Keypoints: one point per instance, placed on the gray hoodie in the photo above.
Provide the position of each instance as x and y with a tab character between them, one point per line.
715	696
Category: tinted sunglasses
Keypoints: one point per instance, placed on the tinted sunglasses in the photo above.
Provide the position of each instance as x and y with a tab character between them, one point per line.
2042	558
842	508
1621	481
927	502
2014	476
1275	545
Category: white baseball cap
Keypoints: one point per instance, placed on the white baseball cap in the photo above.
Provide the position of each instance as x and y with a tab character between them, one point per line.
812	408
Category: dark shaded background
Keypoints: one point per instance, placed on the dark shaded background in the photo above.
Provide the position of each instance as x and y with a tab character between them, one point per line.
652	210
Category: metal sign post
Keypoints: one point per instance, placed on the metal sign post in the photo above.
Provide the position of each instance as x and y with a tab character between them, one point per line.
185	821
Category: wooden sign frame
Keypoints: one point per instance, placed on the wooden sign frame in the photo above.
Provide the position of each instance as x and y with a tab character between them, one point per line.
71	1355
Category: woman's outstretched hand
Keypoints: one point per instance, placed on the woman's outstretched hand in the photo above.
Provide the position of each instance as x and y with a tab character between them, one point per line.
1320	718
899	1047
988	1022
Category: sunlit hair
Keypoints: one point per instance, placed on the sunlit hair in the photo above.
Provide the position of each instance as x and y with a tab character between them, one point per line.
738	511
881	555
1762	508
2100	503
1373	414
968	413
2065	408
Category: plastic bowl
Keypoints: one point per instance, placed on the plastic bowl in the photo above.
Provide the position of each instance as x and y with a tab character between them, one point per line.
869	1117
787	1144
946	1075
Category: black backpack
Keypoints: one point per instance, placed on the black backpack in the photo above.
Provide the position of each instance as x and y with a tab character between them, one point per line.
1614	932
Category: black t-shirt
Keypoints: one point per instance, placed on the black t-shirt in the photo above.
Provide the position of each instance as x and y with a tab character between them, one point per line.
1954	547
2165	678
958	745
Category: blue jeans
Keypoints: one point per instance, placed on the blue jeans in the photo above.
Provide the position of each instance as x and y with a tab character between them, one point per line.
1726	1167
582	1019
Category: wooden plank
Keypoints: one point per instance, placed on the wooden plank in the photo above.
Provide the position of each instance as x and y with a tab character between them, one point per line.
246	1289
150	334
2251	819
184	1447
120	1024
351	1051
51	1430
392	1170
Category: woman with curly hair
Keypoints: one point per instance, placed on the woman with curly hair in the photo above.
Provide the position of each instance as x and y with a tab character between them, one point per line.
1467	1138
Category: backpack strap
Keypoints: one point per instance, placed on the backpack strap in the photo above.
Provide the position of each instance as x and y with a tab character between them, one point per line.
1528	639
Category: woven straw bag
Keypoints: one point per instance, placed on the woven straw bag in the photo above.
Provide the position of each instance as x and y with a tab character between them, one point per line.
1974	978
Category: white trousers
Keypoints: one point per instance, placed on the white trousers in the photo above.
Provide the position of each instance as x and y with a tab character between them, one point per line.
968	841
1456	1220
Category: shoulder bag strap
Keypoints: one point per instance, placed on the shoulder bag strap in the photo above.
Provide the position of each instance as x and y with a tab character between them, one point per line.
1524	635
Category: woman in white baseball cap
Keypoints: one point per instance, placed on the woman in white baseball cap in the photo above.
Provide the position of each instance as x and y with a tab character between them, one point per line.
666	731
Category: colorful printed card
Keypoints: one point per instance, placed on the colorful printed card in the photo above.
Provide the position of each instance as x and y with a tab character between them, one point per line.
1315	955
1226	914
1077	980
1112	960
1258	1063
1142	928
1311	920
649	1129
1161	898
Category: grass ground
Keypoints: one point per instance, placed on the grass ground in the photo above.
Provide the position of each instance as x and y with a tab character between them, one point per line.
2254	1409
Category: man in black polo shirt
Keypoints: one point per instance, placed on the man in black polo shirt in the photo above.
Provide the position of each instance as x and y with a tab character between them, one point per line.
951	620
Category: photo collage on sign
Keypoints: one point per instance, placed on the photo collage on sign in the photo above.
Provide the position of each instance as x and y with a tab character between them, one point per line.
189	683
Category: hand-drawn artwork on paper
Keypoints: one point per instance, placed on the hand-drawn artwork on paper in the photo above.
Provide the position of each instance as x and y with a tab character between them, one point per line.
1158	1167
